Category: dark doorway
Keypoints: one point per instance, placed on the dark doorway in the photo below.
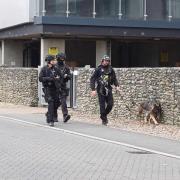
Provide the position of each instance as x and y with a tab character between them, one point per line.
31	54
80	53
120	54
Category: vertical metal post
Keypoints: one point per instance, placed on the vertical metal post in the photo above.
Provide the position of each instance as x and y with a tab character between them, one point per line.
37	7
3	51
108	48
94	8
44	8
120	10
145	10
170	10
74	89
42	52
67	10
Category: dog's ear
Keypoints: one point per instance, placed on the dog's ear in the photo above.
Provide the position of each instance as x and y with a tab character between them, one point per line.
155	106
159	105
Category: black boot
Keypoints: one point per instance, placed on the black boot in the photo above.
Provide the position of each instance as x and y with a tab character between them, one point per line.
66	118
47	119
104	120
55	119
51	124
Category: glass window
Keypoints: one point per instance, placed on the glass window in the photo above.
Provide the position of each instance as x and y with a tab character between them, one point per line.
175	11
56	7
132	9
82	8
107	8
156	10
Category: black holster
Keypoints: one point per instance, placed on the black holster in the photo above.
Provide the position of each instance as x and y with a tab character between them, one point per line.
44	89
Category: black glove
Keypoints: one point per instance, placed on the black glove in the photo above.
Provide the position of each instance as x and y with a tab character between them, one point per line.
48	79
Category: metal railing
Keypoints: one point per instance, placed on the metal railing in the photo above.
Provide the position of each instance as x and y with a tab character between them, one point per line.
41	8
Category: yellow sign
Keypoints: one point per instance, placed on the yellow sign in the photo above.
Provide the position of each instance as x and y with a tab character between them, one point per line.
53	50
164	57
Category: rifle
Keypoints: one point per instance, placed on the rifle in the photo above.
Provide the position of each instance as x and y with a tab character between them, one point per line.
103	86
57	77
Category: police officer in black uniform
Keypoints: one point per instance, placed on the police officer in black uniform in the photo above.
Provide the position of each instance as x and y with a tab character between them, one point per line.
50	78
64	92
104	75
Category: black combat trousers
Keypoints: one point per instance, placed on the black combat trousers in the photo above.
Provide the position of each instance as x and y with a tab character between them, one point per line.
106	103
63	99
52	97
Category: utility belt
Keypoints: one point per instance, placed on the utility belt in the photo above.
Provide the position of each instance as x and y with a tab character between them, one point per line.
104	90
65	91
49	84
49	91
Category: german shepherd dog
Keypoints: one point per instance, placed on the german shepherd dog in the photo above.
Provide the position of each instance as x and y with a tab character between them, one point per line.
152	111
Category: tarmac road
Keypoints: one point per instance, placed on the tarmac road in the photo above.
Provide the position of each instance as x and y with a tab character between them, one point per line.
32	150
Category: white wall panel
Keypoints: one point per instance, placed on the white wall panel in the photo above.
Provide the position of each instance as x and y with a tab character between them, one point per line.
13	12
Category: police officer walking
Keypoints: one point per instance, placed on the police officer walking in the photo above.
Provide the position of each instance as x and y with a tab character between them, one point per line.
64	92
50	78
104	75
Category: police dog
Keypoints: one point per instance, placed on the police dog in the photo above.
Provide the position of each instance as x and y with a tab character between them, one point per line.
152	111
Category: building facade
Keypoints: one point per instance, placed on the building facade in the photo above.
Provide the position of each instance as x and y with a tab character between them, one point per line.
135	33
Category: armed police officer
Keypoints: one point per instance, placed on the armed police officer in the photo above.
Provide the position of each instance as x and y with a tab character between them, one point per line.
50	78
104	75
66	76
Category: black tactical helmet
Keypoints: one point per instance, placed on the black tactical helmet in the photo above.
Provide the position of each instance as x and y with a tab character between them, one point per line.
49	58
106	58
61	57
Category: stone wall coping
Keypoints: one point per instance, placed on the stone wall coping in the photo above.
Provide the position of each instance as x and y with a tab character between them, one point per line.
20	68
138	68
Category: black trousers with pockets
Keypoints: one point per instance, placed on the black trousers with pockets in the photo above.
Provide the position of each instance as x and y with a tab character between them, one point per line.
52	97
106	103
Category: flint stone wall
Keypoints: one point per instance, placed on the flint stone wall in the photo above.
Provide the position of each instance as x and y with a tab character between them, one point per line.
19	86
137	85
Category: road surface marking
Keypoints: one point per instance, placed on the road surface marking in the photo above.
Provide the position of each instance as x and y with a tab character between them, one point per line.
94	137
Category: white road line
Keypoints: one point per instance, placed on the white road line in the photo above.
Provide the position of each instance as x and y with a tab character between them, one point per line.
94	137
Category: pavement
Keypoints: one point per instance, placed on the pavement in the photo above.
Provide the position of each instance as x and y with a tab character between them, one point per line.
75	150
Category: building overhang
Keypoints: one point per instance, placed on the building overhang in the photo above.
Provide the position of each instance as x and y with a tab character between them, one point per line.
61	27
108	22
22	31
